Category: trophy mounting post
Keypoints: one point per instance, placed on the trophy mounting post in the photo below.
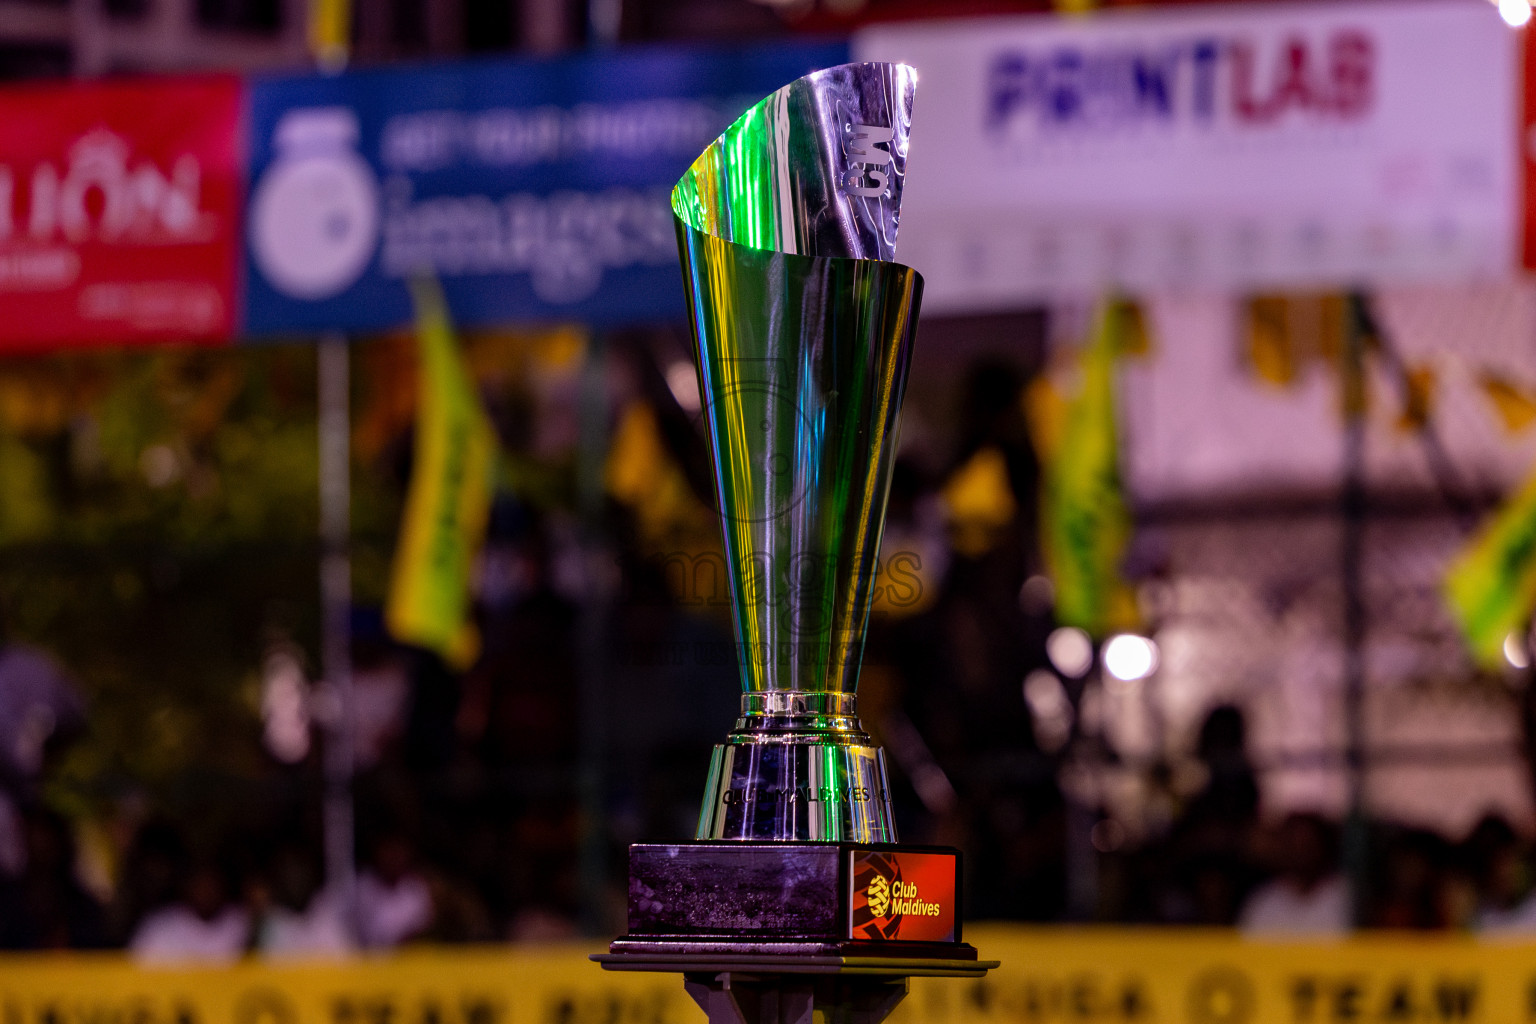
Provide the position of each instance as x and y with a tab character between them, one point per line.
729	997
795	902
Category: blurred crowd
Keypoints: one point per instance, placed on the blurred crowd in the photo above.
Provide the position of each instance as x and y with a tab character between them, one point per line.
495	804
481	872
1306	874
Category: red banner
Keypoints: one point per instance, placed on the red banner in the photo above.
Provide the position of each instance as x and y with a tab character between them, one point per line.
119	212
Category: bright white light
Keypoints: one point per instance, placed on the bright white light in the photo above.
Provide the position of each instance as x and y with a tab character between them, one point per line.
1515	12
1130	657
1037	595
1107	836
1045	694
160	466
285	707
1515	652
1070	651
1049	708
683	382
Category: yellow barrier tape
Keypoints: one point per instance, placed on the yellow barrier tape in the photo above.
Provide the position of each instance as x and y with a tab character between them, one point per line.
1152	977
553	985
1048	976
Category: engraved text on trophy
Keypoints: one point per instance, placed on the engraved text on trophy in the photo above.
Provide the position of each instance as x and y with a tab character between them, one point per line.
867	176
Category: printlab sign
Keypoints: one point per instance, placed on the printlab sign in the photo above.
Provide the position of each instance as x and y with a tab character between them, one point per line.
1223	148
534	190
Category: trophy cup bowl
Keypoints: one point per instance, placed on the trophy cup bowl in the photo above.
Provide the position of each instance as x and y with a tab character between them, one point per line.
804	327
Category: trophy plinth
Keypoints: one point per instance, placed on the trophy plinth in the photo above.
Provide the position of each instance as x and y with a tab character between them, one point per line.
836	927
795	903
798	767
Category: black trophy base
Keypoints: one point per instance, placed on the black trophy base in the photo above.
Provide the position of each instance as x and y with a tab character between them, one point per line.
779	933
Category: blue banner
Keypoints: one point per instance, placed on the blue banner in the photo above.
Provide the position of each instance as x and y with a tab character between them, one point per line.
536	190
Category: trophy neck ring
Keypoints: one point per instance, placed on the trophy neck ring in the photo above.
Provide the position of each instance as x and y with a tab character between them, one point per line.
796	703
799	716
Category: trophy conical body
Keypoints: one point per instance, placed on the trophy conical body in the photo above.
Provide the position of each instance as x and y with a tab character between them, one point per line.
804	329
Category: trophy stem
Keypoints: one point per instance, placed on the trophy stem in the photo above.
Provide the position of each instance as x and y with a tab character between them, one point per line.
798	766
731	998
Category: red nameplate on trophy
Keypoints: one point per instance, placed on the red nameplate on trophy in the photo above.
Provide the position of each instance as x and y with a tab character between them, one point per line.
902	896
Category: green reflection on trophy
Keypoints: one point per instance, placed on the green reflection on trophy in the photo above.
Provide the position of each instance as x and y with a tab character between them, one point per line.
804	325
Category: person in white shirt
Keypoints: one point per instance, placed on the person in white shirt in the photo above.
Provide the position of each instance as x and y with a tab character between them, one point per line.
303	920
1308	897
318	931
205	927
394	902
1500	862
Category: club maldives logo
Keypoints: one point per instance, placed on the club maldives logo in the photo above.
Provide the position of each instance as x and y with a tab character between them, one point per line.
879	895
898	899
902	895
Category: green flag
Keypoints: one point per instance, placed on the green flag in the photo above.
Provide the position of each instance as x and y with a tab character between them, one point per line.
1491	585
1085	526
449	499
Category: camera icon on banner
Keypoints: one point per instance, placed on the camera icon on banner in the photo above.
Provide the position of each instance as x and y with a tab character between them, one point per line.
315	211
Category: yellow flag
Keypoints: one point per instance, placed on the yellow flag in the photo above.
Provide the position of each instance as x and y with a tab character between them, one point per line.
1085	525
1515	405
330	32
979	502
449	500
1491	584
1287	333
641	474
1419	382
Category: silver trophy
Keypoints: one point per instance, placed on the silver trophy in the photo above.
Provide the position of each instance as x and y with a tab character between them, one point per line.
787	228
